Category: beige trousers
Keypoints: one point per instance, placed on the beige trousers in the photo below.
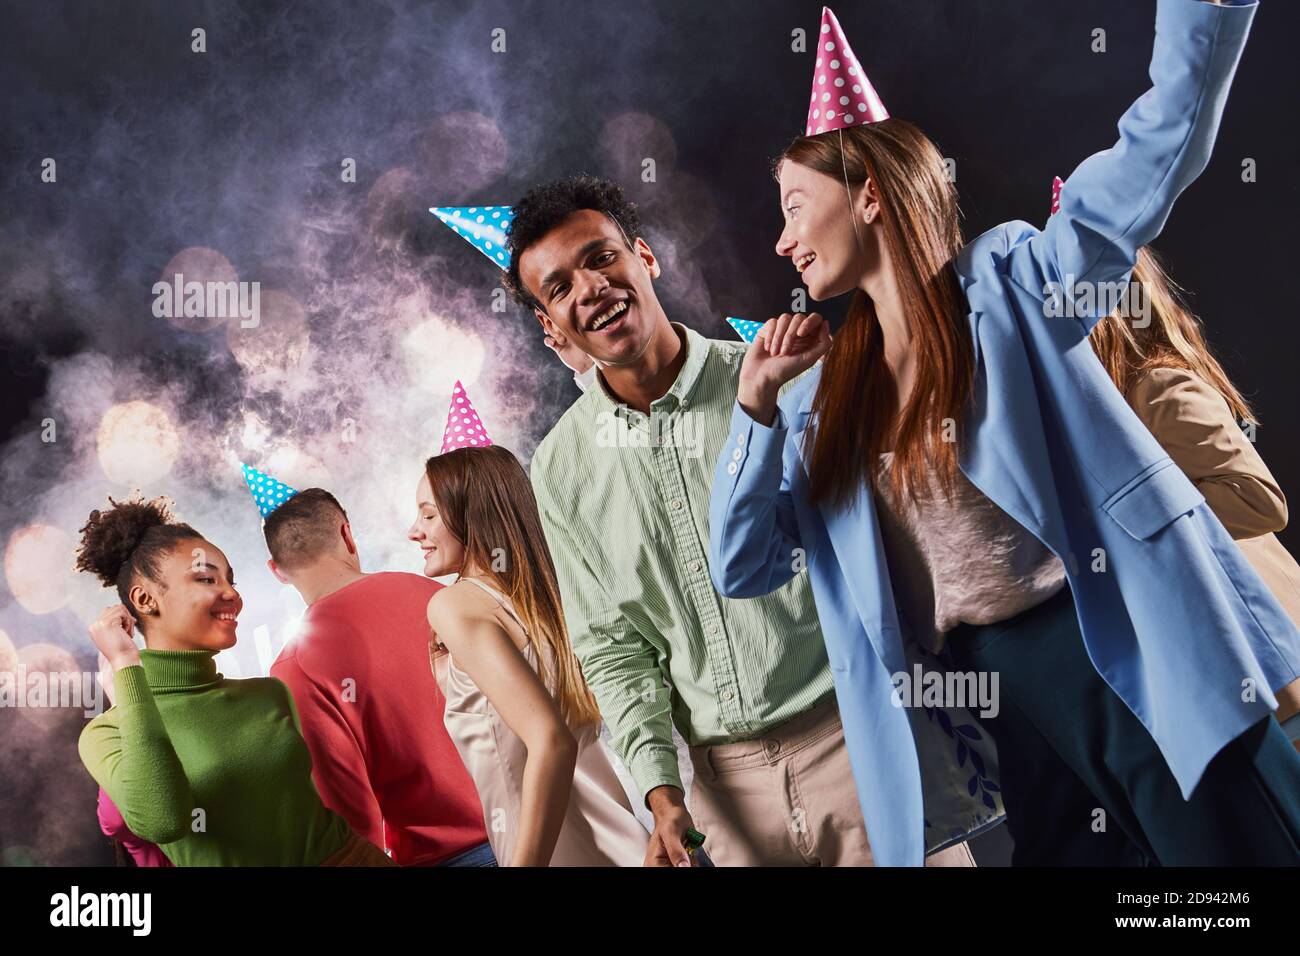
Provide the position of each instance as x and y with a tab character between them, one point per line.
786	799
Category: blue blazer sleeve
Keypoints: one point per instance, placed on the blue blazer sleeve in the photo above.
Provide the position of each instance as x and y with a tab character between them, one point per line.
1119	199
753	534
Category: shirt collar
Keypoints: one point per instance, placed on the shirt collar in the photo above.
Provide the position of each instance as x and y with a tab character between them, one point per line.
679	393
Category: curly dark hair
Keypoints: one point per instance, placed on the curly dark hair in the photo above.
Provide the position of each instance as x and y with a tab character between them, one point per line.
129	540
545	207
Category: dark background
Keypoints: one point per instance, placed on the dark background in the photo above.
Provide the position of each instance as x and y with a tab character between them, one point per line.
238	149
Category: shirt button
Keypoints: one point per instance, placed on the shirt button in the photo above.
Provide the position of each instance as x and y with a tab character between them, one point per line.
737	455
694	565
713	629
727	695
659	439
676	504
731	467
740	440
773	747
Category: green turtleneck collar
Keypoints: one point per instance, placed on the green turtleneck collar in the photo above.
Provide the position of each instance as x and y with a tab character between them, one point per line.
179	670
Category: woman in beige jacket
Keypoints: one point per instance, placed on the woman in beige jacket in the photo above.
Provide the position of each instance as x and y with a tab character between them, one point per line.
1160	361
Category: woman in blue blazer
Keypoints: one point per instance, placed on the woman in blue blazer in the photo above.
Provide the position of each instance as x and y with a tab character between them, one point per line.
959	471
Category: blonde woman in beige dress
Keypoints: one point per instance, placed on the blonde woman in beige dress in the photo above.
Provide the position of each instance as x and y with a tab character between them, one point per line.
518	709
1163	366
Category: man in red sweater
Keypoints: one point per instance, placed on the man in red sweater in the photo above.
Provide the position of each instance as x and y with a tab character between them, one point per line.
371	710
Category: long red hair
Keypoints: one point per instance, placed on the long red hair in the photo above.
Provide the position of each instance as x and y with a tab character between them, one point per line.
856	413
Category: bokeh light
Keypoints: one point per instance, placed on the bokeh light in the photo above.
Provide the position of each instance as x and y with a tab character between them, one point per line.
198	264
38	567
626	141
394	204
57	668
465	152
8	654
137	443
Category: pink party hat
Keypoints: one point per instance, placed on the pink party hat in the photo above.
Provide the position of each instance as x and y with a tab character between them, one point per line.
1057	183
463	425
841	93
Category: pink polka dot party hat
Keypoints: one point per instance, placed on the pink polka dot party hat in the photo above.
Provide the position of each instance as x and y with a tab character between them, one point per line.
841	93
464	428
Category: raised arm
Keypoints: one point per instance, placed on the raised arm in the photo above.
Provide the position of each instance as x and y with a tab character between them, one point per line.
753	534
1118	200
127	750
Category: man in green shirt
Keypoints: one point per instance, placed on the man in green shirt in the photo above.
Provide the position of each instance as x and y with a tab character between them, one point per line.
622	483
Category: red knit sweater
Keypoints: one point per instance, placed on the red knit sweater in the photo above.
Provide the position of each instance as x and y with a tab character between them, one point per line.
372	716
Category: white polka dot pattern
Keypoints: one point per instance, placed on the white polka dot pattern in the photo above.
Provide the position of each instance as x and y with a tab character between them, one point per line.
838	68
483	227
464	429
267	492
744	327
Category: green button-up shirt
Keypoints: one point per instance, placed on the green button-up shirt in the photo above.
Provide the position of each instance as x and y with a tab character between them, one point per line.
624	500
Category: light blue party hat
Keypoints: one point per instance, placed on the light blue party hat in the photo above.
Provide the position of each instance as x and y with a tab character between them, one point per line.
483	227
744	328
268	492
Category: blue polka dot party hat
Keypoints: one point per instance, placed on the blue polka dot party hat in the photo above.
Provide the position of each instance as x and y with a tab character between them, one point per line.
268	492
483	227
744	328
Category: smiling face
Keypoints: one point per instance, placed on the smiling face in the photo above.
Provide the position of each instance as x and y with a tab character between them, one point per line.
819	237
444	553
594	290
193	605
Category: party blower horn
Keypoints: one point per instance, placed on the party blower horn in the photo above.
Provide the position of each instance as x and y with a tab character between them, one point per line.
483	227
269	493
464	428
842	96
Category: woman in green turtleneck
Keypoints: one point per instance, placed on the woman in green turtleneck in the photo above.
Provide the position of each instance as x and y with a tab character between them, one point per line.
214	771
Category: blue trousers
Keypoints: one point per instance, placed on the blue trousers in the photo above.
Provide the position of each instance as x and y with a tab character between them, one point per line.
1083	782
480	855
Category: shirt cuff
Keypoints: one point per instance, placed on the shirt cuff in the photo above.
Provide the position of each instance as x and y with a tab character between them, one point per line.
131	686
655	768
748	439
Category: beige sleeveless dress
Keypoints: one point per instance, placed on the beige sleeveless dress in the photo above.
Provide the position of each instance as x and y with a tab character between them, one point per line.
599	828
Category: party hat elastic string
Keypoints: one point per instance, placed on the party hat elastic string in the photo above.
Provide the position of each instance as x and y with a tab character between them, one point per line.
849	193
